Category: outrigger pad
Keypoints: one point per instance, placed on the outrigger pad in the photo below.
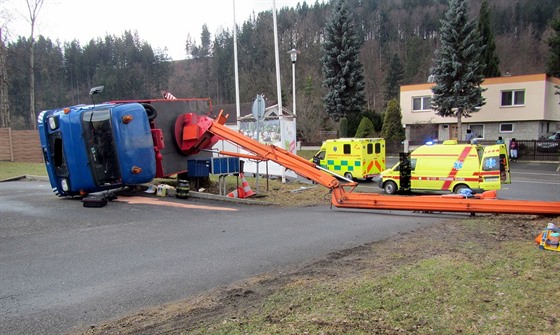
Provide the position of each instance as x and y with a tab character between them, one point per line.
94	201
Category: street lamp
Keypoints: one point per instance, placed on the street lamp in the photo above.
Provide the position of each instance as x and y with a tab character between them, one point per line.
293	55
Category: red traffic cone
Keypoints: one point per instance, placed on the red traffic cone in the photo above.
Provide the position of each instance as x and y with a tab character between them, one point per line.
237	193
247	191
233	194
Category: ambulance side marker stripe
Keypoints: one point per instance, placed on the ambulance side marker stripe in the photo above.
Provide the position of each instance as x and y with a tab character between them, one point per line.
378	166
370	165
454	171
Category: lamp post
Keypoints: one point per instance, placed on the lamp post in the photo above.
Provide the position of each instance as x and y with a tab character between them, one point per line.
293	141
293	55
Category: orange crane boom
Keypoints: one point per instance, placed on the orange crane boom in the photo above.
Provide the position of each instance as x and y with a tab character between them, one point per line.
343	197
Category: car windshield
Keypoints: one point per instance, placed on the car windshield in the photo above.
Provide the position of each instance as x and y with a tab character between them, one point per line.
98	136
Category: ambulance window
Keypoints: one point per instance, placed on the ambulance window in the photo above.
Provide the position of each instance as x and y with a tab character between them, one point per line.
369	148
347	149
491	163
377	148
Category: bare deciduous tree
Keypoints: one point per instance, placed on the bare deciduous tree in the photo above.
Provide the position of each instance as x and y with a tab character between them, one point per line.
34	7
4	108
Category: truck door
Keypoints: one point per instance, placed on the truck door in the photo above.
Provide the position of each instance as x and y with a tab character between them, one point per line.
490	168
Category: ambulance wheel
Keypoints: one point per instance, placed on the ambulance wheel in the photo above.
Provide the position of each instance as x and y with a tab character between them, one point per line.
390	187
459	187
348	175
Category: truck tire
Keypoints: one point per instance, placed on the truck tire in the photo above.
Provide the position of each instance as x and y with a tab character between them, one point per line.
348	175
150	110
390	187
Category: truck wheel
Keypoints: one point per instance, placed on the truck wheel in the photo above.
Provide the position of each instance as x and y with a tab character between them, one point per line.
348	175
390	187
150	110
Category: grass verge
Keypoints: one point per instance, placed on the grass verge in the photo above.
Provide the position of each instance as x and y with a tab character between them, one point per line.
15	169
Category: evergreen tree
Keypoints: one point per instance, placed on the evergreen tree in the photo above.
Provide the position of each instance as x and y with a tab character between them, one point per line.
553	61
365	129
343	127
376	119
457	71
394	78
342	70
392	129
489	58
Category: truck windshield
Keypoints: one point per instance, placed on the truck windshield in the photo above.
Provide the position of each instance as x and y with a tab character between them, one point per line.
102	156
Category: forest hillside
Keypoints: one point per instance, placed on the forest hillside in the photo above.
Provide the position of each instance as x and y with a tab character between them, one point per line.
398	40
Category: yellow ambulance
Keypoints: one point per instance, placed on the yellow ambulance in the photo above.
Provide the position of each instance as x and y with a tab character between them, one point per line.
353	158
451	167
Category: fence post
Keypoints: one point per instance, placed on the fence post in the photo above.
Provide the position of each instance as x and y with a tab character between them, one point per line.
11	144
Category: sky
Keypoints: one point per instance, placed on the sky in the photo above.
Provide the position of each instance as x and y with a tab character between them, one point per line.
161	23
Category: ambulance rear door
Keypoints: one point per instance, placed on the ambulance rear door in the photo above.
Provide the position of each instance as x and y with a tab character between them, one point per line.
504	165
490	173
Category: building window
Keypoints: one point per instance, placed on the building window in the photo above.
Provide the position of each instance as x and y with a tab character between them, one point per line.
506	127
477	130
513	98
421	103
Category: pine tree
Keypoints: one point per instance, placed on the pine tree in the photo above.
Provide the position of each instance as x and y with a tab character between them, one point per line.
553	61
342	70
457	71
365	129
392	129
394	78
343	127
489	58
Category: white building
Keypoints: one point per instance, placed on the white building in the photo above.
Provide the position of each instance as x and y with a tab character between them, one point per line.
525	107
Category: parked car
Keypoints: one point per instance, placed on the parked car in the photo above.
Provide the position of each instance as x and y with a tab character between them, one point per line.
551	144
555	136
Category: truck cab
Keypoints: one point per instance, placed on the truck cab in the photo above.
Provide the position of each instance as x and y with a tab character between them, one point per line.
90	148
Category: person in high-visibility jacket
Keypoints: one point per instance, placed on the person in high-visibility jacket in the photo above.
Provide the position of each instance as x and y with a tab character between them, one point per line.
167	95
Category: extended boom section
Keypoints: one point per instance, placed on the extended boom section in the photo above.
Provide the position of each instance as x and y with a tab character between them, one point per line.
487	203
270	152
343	197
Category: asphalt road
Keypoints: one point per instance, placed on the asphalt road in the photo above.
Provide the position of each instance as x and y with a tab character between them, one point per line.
64	267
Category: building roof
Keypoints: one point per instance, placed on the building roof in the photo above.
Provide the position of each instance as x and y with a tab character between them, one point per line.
492	81
246	111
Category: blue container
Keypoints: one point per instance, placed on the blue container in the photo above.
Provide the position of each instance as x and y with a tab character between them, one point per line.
198	168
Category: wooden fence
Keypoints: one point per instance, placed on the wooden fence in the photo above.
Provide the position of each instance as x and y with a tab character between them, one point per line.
20	146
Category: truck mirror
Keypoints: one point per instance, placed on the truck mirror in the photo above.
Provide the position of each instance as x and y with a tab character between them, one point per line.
96	90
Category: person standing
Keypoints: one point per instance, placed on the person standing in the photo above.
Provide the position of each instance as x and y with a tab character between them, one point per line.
513	147
469	136
500	140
